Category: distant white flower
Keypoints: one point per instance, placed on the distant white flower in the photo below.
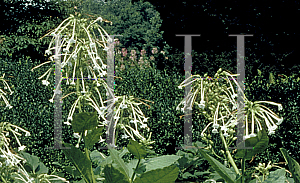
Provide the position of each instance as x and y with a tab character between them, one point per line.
45	82
226	134
233	96
70	118
180	87
72	41
125	136
48	52
73	83
66	50
246	137
144	126
280	107
202	104
224	128
21	148
145	120
99	18
123	106
76	135
279	121
67	123
27	134
216	125
214	131
51	100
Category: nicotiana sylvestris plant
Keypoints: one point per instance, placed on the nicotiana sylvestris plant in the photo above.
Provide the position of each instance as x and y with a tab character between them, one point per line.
11	163
82	57
217	103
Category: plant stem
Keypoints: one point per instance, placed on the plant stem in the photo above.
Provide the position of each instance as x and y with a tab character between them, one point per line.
88	156
135	170
117	131
243	168
229	155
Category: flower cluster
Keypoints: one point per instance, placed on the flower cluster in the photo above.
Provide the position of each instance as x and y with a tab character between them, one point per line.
222	106
80	50
2	93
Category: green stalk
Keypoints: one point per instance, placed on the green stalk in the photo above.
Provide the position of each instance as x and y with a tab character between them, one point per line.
229	155
77	89
243	168
88	156
117	131
135	170
3	179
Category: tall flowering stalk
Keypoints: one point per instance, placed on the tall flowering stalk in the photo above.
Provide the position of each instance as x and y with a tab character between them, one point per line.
221	109
217	103
82	59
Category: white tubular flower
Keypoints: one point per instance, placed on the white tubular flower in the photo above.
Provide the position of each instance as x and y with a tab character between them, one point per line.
76	135
48	52
215	131
226	134
45	82
21	148
202	104
125	136
144	126
67	123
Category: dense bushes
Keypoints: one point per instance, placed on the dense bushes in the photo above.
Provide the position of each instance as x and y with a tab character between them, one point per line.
138	23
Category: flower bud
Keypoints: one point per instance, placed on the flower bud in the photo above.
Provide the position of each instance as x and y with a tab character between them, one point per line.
234	138
209	136
211	142
222	152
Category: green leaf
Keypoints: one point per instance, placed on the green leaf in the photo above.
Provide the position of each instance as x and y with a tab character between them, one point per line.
84	121
81	162
260	143
119	161
225	173
113	175
166	175
158	162
72	170
136	149
34	163
277	176
91	138
293	165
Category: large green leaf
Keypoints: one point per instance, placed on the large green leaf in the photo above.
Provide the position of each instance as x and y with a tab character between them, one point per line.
121	165
166	175
259	144
114	175
84	121
277	176
34	163
91	138
293	165
81	162
136	149
158	162
224	172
